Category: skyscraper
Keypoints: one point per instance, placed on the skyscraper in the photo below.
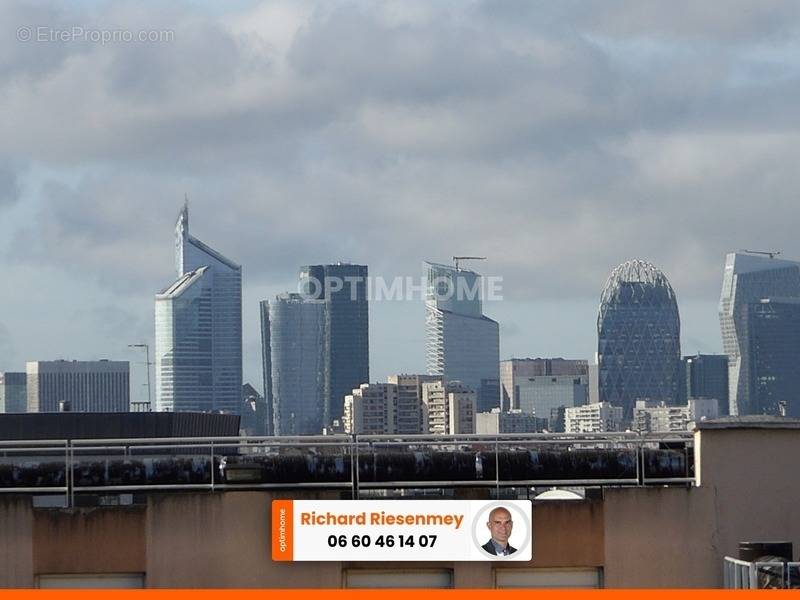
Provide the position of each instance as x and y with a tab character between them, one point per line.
638	338
342	287
759	334
266	366
706	376
84	386
295	327
462	343
199	330
13	392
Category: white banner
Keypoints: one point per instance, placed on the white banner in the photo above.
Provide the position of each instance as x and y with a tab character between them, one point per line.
399	530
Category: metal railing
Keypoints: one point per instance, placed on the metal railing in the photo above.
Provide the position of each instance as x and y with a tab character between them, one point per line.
343	462
744	575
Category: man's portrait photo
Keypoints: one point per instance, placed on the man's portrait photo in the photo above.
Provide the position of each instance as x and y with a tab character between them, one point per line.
500	525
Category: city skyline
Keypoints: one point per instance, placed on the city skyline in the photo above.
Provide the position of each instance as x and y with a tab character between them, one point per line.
518	349
551	139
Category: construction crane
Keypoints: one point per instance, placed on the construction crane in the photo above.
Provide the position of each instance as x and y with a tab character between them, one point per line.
458	258
770	254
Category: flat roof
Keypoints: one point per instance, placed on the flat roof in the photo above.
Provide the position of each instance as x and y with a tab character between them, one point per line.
750	422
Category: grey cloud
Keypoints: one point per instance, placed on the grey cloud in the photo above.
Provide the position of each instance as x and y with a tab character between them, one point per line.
10	187
556	146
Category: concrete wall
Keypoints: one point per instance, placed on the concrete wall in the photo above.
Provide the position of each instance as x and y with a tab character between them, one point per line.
223	540
16	542
659	537
641	537
754	475
98	540
749	490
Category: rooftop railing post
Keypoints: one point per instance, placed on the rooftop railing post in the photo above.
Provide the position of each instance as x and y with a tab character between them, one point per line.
355	478
497	465
212	465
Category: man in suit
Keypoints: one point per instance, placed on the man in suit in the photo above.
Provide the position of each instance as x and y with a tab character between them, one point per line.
500	525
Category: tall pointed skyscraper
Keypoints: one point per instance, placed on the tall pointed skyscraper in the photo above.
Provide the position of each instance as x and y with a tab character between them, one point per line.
462	343
198	355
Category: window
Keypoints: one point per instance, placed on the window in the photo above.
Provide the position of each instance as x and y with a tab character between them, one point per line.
412	578
91	580
588	577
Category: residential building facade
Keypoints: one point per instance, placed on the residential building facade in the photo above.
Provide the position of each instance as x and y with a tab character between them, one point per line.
448	408
409	402
371	409
658	417
600	417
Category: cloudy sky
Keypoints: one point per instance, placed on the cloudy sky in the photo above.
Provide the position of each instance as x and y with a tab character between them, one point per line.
555	138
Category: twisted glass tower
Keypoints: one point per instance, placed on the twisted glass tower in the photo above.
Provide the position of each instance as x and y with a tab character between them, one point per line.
759	313
638	337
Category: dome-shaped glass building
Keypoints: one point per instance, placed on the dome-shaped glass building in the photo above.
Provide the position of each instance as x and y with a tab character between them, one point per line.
638	337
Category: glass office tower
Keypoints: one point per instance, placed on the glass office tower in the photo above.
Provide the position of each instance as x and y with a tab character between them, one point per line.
706	376
13	392
342	287
295	328
266	366
222	283
462	343
184	345
638	338
759	335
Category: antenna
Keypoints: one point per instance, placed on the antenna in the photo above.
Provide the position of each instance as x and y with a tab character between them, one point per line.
456	259
764	253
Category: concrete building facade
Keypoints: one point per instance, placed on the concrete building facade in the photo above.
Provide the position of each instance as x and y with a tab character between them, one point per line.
544	395
513	421
371	409
84	386
409	401
448	408
657	417
626	537
600	417
514	369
